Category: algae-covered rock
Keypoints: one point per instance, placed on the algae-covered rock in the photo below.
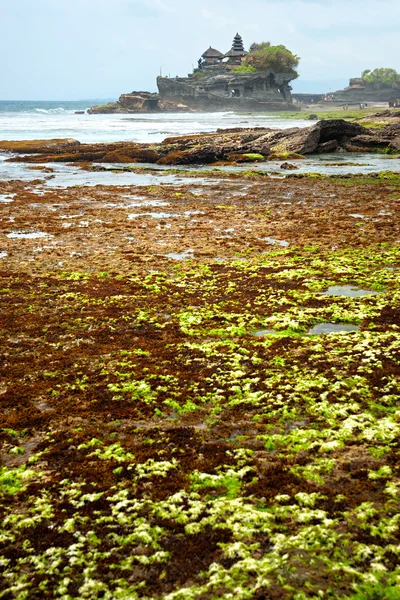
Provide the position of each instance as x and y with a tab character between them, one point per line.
238	145
246	157
39	146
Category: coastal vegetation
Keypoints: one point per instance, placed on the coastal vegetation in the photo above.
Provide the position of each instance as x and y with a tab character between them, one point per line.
244	68
381	77
263	56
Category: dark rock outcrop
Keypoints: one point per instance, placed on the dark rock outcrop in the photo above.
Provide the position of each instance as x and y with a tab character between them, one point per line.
136	102
229	90
139	101
231	145
288	166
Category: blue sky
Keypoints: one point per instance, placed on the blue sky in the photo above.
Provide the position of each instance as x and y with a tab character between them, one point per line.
78	49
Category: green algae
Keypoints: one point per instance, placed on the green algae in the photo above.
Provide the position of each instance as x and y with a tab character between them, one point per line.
293	485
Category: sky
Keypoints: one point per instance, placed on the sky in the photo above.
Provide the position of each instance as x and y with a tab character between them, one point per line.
84	49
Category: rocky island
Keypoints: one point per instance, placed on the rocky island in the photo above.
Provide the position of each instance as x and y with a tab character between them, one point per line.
220	82
380	85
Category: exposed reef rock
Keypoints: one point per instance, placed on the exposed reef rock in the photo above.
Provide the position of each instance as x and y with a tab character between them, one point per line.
139	102
136	102
56	146
224	145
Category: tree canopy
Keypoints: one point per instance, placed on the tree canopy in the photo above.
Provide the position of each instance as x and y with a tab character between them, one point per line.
379	77
280	59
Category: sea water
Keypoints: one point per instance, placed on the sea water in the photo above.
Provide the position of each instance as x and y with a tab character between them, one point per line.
21	120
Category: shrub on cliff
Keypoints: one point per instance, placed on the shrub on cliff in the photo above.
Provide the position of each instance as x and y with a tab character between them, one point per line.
245	68
381	77
280	59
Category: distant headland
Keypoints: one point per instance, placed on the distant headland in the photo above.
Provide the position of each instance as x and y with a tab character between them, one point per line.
235	80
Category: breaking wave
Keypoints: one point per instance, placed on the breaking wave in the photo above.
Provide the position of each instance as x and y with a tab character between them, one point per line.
50	111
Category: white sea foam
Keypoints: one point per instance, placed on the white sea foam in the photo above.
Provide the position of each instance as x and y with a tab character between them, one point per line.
26	121
51	111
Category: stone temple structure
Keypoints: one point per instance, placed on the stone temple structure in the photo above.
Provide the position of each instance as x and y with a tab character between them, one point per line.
214	85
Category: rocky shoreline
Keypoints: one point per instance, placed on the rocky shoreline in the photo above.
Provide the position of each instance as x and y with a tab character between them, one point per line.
198	377
198	384
223	147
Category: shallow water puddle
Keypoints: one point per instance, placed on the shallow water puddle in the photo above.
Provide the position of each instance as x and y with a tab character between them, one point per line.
348	291
185	255
324	328
163	215
7	198
148	203
153	215
262	332
144	203
274	241
27	236
43	406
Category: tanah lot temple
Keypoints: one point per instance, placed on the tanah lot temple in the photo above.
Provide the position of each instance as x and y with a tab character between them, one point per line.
215	85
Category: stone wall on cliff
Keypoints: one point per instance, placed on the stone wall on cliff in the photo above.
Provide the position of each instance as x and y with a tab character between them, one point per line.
229	90
363	92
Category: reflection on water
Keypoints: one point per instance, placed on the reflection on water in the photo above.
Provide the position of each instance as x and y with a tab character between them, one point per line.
274	241
185	255
324	328
327	164
348	291
64	176
6	199
69	176
21	235
262	332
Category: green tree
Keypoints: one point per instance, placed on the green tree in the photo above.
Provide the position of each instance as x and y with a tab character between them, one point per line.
279	59
380	77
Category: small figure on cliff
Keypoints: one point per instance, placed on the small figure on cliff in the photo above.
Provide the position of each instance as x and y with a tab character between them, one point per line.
200	63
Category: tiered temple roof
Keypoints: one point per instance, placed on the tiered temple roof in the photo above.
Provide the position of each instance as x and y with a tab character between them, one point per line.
237	47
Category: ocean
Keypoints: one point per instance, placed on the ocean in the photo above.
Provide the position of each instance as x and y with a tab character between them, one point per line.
23	120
